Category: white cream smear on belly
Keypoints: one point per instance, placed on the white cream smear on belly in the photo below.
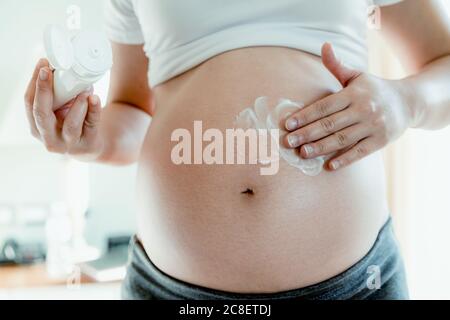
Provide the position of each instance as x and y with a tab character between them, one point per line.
262	117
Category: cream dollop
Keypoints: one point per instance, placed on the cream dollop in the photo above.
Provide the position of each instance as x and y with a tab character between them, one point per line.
262	117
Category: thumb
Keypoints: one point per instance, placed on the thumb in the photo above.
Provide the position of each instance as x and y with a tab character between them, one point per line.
344	74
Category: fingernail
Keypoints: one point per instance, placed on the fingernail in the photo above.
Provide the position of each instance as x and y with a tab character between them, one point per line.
335	165
308	150
293	141
43	75
292	124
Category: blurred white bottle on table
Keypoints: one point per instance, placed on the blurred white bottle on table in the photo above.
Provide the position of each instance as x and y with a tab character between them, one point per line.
79	61
58	230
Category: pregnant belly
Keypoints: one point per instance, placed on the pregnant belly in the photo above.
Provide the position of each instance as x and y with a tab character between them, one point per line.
227	226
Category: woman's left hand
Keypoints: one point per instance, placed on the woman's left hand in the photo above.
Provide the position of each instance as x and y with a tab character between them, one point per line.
362	118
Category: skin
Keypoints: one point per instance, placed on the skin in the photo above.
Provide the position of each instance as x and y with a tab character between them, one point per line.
369	113
194	222
362	103
77	128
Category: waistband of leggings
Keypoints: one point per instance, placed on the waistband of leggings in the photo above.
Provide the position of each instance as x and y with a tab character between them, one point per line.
344	285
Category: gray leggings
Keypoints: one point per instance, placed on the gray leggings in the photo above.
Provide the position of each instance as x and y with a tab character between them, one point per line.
379	275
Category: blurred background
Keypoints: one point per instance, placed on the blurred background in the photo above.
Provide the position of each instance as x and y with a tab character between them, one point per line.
73	212
44	195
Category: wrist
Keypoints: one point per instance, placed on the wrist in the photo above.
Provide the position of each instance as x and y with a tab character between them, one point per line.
410	102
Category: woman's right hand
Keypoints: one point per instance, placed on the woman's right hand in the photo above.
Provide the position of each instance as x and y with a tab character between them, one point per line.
74	128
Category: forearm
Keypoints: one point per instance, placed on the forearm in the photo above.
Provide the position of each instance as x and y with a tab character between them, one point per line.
123	128
427	95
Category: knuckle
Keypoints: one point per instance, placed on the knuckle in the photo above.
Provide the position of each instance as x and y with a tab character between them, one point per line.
70	131
52	147
341	138
43	87
90	124
302	118
70	141
361	151
327	125
40	115
322	109
320	147
304	135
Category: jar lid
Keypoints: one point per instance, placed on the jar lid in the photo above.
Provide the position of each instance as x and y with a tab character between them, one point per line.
58	47
92	52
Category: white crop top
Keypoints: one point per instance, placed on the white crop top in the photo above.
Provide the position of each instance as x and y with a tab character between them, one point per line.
180	34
